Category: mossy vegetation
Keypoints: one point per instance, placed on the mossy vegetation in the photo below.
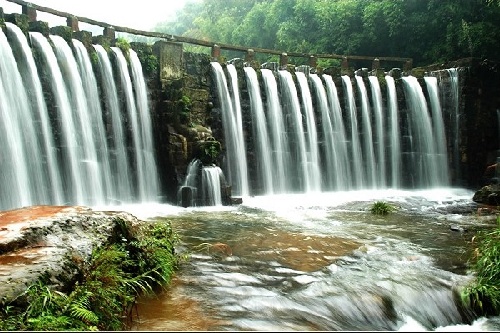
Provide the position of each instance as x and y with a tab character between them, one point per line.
381	208
139	260
483	293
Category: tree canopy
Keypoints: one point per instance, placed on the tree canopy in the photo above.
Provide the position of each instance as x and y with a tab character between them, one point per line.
429	31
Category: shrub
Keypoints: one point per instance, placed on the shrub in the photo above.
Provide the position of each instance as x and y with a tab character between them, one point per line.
483	294
381	208
136	261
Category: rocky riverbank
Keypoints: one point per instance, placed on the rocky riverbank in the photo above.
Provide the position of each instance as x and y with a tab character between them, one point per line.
44	240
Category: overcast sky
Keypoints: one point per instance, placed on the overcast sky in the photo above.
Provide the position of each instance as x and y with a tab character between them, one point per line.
140	14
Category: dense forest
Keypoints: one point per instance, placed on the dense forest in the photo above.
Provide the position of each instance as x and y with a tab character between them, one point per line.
429	31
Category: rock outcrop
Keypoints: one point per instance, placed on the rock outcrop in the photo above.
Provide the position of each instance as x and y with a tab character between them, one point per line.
46	241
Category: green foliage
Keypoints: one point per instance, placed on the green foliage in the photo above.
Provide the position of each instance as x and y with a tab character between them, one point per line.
123	45
140	258
429	31
381	208
210	152
483	294
184	109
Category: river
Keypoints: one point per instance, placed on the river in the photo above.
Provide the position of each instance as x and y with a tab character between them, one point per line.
320	262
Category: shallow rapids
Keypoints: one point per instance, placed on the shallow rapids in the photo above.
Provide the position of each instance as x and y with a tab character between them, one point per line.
321	262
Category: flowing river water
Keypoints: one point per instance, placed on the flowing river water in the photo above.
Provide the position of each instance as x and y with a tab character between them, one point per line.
320	262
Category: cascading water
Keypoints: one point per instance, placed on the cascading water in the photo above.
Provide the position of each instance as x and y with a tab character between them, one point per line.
341	168
211	178
119	156
438	129
261	136
379	143
422	150
98	133
25	60
17	186
298	173
70	140
149	177
279	140
367	134
454	115
65	155
393	149
394	133
236	166
330	154
355	152
311	135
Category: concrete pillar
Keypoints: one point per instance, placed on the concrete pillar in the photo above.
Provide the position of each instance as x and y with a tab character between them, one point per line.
345	64
109	32
408	66
250	55
375	64
72	22
313	61
215	52
283	60
29	11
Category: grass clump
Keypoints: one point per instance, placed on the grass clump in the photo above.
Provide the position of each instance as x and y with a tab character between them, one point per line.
483	294
136	262
381	208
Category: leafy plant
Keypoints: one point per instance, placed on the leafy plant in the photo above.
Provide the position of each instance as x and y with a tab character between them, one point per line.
138	259
483	294
123	45
381	208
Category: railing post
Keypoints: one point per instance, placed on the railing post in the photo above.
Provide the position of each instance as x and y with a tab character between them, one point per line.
313	61
283	60
109	32
408	66
344	67
72	22
215	52
29	11
250	55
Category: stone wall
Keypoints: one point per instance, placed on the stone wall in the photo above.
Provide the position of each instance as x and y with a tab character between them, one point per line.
179	133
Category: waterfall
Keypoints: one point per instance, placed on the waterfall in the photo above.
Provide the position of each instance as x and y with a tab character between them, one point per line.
421	151
34	90
133	117
438	128
356	157
356	145
15	150
149	177
327	140
279	141
240	140
379	143
211	185
311	135
261	136
455	121
298	173
59	148
70	141
394	133
95	119
236	166
340	168
118	153
366	133
188	191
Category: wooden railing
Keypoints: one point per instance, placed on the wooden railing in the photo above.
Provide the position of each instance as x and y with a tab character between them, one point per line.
30	9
